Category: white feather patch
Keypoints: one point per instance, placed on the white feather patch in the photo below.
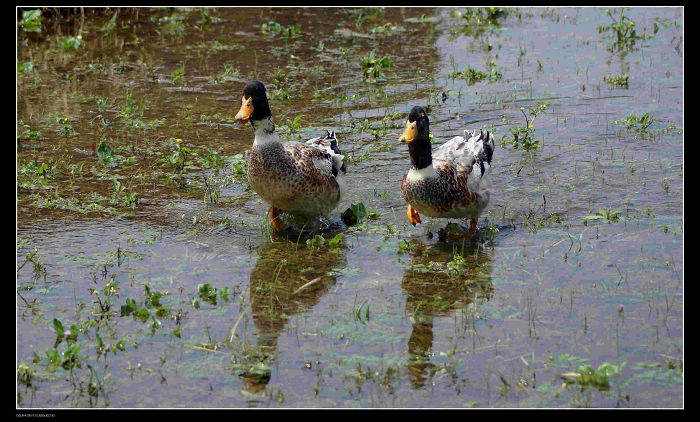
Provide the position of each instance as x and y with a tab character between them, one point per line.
266	138
338	162
415	175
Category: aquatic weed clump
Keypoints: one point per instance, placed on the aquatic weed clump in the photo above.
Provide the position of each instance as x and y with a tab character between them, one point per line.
622	32
373	66
472	76
525	135
476	20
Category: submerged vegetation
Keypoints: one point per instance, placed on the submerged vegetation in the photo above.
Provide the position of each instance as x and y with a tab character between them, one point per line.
472	76
476	20
373	66
636	124
622	32
622	80
525	135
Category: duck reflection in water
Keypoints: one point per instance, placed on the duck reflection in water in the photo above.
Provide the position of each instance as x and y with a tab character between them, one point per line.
289	278
440	280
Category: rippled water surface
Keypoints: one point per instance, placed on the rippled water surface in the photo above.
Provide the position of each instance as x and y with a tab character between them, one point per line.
138	233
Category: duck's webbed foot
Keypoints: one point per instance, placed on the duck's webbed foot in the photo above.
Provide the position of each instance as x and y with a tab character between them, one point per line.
274	219
412	215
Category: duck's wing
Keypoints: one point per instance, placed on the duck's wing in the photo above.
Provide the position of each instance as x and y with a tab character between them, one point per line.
329	144
471	156
319	158
457	151
467	150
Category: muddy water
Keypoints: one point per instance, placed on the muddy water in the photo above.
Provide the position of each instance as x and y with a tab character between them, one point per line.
578	259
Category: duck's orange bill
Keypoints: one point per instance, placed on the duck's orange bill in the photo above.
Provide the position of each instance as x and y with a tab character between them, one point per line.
246	110
409	133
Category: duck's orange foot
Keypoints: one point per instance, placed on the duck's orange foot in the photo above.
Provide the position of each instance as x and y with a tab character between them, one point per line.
412	215
472	225
273	215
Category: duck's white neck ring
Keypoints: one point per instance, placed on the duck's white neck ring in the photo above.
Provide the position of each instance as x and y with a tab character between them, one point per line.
415	174
265	133
264	126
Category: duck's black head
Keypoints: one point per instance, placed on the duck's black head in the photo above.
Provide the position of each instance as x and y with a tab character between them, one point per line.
417	135
417	126
254	104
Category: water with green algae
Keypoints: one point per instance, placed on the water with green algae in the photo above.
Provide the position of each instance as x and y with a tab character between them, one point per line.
137	230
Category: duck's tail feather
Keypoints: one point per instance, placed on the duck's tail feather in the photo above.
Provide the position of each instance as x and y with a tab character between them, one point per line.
486	139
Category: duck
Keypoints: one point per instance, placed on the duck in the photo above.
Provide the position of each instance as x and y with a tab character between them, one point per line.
450	182
303	179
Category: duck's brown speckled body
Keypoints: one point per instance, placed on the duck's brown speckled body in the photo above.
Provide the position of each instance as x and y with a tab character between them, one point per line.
452	181
297	178
302	179
445	194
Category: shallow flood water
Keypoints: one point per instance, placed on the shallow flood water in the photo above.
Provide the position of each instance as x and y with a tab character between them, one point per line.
137	230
